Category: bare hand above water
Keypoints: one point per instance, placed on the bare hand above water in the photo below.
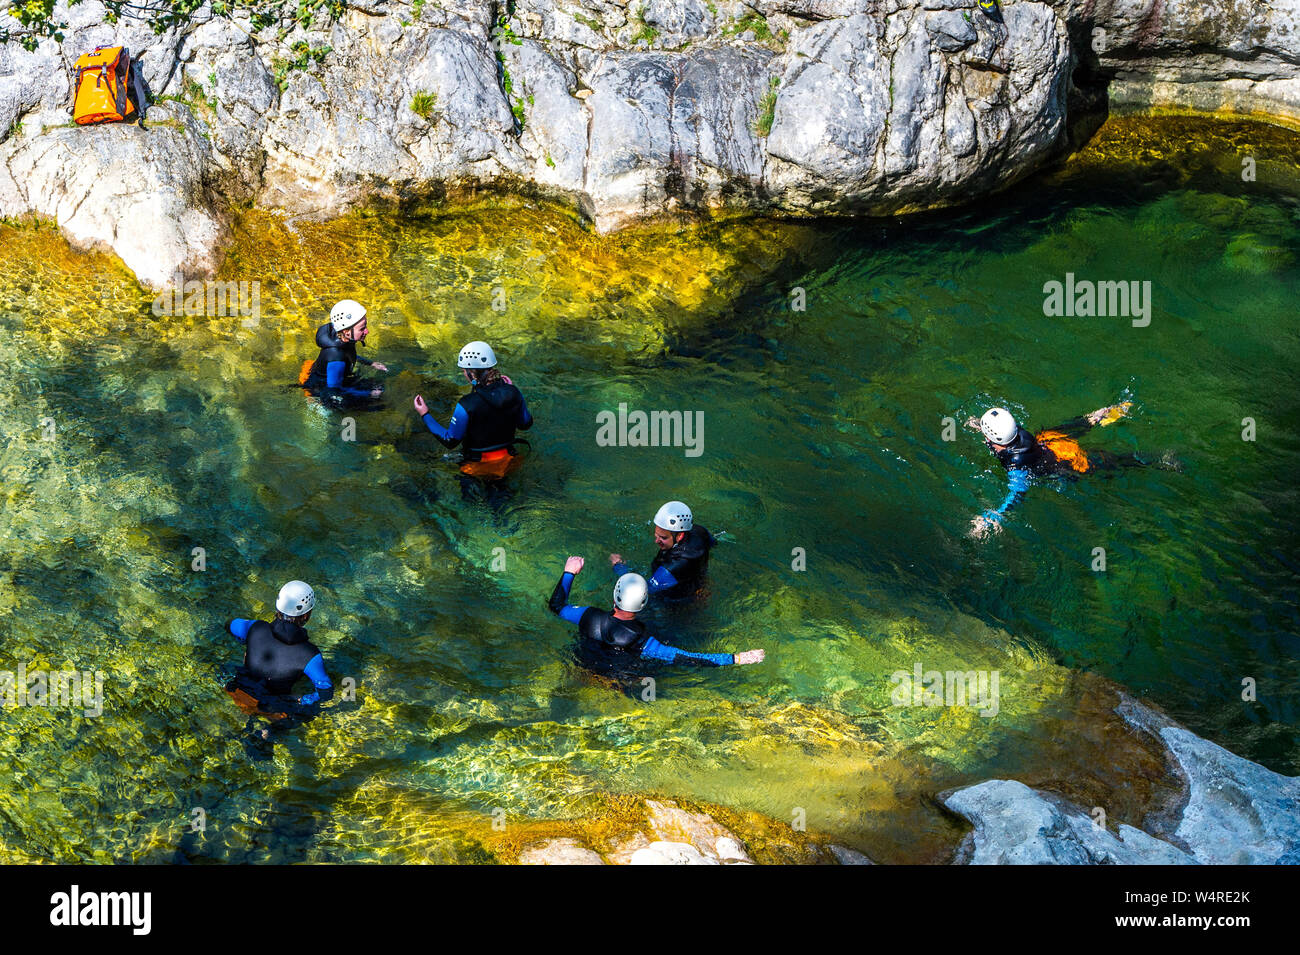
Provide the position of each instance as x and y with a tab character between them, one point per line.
982	526
749	656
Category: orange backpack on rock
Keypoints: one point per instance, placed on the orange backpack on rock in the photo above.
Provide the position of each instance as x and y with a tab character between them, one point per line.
107	88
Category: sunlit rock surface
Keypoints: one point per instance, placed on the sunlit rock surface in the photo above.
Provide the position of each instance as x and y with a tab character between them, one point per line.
1229	811
790	107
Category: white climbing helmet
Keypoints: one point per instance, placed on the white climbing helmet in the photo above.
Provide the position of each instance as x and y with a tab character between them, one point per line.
346	314
674	516
631	593
296	598
476	355
999	426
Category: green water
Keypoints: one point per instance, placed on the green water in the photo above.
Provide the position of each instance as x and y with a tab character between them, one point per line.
823	431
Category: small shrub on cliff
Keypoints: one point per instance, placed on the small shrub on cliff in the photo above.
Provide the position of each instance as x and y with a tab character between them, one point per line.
767	108
750	21
647	32
304	57
505	34
422	104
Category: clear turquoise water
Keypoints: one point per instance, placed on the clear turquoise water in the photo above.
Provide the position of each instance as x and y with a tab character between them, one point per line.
823	431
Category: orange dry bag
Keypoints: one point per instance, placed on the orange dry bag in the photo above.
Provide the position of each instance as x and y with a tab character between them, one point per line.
1065	448
107	88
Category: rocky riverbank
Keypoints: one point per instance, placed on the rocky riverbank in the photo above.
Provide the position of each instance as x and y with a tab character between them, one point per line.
1225	810
626	110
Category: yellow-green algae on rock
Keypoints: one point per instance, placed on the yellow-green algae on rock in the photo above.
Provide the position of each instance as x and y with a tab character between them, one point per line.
1184	143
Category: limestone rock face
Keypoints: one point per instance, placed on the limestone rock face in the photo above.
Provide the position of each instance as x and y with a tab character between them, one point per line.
1235	812
1016	825
135	192
1236	55
627	111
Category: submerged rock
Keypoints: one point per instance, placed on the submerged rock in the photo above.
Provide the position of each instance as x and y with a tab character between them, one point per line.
791	106
560	852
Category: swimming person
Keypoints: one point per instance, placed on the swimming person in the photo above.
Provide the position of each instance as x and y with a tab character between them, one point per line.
332	376
484	422
277	655
1054	452
612	639
678	569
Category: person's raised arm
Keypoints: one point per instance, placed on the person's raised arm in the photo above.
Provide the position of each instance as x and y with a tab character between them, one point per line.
559	602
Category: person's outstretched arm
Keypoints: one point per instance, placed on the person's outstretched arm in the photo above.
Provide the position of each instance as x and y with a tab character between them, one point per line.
456	427
559	603
1018	480
315	671
652	649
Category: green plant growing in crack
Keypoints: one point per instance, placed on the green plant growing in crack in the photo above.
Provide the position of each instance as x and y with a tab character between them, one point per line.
767	108
423	104
505	34
646	31
304	57
750	21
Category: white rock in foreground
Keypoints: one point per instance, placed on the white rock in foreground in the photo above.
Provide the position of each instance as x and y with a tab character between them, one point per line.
1231	811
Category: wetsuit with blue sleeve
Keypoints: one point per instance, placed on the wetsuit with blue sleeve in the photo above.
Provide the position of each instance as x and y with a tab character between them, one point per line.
607	642
276	656
678	572
332	376
1025	458
486	419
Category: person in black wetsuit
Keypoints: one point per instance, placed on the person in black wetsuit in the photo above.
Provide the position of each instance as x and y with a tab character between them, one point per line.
276	656
332	377
613	641
1055	452
484	422
678	569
